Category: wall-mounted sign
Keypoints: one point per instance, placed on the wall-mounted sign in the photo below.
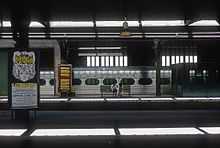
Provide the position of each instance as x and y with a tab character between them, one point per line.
23	77
65	77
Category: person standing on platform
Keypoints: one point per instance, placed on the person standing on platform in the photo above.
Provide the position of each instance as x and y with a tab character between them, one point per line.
120	90
114	88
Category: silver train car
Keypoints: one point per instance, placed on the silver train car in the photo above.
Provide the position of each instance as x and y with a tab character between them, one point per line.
89	81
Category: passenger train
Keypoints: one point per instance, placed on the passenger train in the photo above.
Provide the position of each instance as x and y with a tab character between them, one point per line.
91	80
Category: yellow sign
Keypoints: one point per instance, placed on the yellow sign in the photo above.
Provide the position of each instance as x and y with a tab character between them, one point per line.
65	77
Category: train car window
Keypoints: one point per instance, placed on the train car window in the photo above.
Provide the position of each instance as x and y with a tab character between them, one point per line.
197	81
127	81
145	81
109	81
51	82
198	77
164	81
92	81
76	82
42	82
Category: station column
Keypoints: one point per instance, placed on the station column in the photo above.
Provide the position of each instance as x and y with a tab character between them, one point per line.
57	61
158	65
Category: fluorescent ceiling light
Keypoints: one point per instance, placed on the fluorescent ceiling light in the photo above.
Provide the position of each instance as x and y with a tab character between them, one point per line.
6	24
205	23
108	47
109	54
7	37
70	24
86	48
75	33
73	132
104	33
72	36
163	23
108	36
211	130
99	48
206	36
36	25
12	132
159	131
86	54
36	36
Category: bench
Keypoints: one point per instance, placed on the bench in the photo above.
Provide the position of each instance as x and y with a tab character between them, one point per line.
107	90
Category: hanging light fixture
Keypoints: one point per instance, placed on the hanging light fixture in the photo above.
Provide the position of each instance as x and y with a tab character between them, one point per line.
125	32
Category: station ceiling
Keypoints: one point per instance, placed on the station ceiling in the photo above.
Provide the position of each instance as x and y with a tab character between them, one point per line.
89	10
22	12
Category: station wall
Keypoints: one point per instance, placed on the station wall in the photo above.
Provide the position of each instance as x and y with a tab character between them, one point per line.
3	71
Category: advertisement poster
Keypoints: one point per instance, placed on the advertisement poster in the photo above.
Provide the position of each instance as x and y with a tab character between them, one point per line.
65	77
23	77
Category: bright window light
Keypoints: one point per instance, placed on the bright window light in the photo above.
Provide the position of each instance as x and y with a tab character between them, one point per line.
125	61
173	61
12	132
195	59
186	59
121	61
211	130
177	59
163	61
159	131
133	23
116	23
205	23
181	59
36	24
191	59
70	24
106	61
97	60
6	24
93	61
88	61
73	132
111	61
109	23
167	60
156	99
116	61
163	23
102	61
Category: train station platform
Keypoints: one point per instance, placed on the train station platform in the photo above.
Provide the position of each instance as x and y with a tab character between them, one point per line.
125	103
115	123
113	129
